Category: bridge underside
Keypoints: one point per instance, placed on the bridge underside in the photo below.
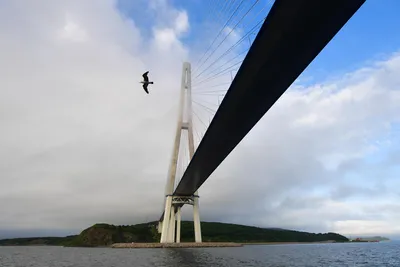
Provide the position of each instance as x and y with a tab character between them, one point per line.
293	34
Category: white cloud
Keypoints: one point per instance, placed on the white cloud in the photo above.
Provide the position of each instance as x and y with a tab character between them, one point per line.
182	22
72	31
310	142
78	133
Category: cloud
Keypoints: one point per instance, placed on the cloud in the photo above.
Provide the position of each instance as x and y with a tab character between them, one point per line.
80	142
182	22
311	151
78	134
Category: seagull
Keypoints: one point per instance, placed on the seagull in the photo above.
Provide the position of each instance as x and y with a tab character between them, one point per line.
146	81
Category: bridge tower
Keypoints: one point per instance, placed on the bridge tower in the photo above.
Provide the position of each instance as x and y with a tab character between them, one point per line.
171	222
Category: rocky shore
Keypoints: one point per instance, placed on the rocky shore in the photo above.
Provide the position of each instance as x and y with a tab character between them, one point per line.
176	245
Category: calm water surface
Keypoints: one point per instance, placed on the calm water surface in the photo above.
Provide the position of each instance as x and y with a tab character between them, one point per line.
359	254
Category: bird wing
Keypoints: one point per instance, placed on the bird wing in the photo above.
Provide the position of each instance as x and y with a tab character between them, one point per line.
145	86
146	79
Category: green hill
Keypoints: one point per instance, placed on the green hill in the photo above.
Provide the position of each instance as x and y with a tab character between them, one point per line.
106	234
37	241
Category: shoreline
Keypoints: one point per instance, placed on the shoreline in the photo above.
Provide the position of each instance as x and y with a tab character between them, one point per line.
292	243
190	244
177	245
210	244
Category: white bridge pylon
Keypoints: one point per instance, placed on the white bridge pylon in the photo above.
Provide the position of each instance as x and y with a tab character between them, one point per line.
170	227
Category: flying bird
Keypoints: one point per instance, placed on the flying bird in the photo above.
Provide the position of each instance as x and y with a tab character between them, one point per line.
146	82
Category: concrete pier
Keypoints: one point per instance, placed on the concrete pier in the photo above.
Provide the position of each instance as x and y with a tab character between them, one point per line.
177	245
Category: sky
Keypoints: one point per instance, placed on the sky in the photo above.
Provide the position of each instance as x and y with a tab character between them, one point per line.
81	143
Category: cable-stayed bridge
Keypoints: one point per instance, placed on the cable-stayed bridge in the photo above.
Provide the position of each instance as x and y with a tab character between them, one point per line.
288	38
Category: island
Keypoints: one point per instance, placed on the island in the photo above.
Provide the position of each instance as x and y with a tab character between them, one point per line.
370	239
104	235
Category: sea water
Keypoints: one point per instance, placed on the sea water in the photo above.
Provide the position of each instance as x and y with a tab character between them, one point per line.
344	254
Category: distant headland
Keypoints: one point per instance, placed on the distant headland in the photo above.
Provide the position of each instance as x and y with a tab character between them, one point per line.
369	239
101	235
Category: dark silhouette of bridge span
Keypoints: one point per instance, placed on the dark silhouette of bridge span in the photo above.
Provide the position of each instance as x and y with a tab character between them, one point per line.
292	35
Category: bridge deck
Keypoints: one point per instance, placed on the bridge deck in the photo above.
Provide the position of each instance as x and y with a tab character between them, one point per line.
292	35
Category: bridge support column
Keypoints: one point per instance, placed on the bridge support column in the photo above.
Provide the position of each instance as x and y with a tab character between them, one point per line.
171	232
166	220
178	225
159	228
179	201
172	202
196	219
169	188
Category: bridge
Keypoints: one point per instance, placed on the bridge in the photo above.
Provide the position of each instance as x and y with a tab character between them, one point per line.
292	34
